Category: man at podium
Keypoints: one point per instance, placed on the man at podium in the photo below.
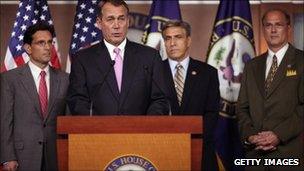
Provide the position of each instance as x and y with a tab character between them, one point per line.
116	76
193	85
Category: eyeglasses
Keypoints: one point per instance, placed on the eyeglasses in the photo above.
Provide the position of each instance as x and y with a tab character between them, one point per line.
269	26
42	43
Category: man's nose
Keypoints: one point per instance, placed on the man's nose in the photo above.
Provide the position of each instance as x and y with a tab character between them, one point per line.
116	24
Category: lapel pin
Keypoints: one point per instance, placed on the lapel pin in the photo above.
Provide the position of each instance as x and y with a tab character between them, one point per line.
193	72
288	66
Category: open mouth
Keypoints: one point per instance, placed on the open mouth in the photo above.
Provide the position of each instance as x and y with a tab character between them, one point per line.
116	34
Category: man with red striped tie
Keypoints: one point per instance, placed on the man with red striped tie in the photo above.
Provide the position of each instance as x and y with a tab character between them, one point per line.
31	97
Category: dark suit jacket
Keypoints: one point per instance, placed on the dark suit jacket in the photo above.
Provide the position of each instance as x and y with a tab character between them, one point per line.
281	111
23	130
93	79
200	97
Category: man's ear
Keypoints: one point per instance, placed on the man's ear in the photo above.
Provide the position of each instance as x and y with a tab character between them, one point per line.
27	48
98	23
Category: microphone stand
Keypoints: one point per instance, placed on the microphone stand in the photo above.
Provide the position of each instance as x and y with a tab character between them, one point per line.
112	63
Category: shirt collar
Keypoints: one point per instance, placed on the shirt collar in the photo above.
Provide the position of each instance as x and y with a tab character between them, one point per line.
184	63
35	70
279	54
111	48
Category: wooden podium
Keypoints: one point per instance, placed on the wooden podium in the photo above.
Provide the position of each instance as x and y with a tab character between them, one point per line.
104	129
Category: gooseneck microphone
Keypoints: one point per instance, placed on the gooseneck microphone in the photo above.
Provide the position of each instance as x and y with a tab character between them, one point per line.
112	63
146	68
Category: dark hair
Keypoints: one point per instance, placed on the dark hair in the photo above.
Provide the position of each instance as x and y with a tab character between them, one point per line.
116	3
31	30
287	16
177	23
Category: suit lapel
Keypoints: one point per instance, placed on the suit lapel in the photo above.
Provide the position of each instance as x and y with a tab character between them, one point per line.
130	65
103	61
54	89
281	72
260	73
172	92
191	79
28	83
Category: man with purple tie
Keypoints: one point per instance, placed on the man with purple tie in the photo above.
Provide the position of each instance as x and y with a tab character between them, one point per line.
116	76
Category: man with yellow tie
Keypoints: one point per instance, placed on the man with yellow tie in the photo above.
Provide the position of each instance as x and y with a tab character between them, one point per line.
271	100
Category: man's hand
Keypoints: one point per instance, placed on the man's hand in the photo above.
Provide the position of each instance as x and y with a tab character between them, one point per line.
265	140
10	166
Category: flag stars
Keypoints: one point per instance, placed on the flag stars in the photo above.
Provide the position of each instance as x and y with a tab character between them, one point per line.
93	34
18	14
42	17
23	27
20	5
50	22
13	34
20	37
34	21
85	29
82	38
91	10
15	24
25	18
36	12
73	45
80	15
45	8
82	6
77	25
18	47
75	35
88	20
28	8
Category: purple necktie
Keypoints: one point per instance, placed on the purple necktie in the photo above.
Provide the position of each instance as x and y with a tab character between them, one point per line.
118	67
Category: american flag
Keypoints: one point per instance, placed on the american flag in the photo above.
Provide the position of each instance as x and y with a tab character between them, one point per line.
85	32
29	13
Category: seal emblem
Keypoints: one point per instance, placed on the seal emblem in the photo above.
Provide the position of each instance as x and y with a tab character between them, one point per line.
130	163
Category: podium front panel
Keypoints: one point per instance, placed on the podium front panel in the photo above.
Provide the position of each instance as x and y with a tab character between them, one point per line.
119	151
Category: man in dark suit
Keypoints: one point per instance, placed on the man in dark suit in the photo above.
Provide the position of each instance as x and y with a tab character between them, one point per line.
31	97
193	86
271	100
116	76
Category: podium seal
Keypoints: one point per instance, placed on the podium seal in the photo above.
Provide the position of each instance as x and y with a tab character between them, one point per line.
130	163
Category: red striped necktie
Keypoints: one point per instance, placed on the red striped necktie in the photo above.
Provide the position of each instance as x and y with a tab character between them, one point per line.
43	96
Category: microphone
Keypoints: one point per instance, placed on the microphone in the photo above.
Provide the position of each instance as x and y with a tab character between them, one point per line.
146	68
112	63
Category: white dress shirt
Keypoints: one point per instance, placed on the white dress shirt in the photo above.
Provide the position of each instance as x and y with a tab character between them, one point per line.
35	70
111	48
184	63
279	54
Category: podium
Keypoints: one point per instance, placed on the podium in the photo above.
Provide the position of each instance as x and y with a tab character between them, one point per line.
78	134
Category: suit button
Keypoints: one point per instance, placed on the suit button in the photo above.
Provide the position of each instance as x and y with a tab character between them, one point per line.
44	125
40	142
